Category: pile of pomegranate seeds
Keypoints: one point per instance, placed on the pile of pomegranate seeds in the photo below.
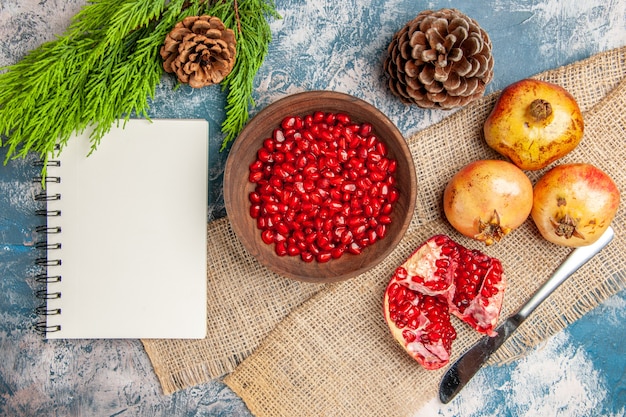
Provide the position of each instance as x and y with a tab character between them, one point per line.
324	186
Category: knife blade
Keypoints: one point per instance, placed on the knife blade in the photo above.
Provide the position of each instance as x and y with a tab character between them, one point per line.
462	371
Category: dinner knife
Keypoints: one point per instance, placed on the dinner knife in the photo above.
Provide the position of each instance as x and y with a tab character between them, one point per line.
459	374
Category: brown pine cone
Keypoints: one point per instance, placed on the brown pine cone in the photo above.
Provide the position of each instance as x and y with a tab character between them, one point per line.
440	59
200	50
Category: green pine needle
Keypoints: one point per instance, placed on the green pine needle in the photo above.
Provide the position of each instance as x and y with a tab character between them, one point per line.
106	66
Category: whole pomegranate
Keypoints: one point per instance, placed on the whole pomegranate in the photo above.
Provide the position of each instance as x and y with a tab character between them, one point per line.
439	279
534	123
573	204
487	199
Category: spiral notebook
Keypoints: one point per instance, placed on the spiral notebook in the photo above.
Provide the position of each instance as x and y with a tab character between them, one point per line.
125	247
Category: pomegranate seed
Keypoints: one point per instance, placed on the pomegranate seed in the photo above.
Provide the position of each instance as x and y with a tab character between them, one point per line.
280	248
354	248
255	210
293	250
265	156
256	166
365	129
268	144
318	117
354	142
268	236
337	252
254	197
323	257
343	118
288	122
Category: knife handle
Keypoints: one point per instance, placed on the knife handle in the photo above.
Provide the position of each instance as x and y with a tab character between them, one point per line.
577	258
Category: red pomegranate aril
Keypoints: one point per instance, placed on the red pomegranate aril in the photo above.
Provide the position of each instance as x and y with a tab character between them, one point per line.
376	176
288	122
354	248
254	197
335	206
372	236
348	187
318	117
280	248
265	156
308	139
369	141
268	236
347	237
278	238
323	257
278	136
268	144
282	228
257	165
293	249
381	148
355	142
359	231
276	182
255	210
384	219
271	208
337	252
365	129
393	195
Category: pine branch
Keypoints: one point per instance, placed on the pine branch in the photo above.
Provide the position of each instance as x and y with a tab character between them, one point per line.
249	20
106	66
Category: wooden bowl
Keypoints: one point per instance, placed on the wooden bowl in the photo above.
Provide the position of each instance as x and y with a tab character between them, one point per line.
237	187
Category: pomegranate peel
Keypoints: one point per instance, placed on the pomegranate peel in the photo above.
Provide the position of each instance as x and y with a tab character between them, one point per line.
439	279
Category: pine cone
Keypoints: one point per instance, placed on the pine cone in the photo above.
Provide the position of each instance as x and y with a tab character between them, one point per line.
200	50
440	59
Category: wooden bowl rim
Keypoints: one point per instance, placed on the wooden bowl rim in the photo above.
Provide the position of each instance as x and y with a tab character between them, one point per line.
295	100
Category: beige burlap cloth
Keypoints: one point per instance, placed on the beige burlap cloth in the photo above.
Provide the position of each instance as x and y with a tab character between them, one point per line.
297	349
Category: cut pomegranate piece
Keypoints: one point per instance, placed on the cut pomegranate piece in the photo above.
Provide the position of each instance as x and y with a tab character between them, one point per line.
479	291
430	269
420	323
442	277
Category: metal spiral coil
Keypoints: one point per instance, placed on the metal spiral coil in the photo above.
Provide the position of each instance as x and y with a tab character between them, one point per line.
46	246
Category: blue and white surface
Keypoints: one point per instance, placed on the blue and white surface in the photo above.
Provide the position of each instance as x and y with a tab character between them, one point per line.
319	44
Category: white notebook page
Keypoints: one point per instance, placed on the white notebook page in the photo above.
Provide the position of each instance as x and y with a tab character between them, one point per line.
133	233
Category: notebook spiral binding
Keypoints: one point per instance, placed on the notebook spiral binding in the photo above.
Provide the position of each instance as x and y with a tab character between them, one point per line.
47	278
